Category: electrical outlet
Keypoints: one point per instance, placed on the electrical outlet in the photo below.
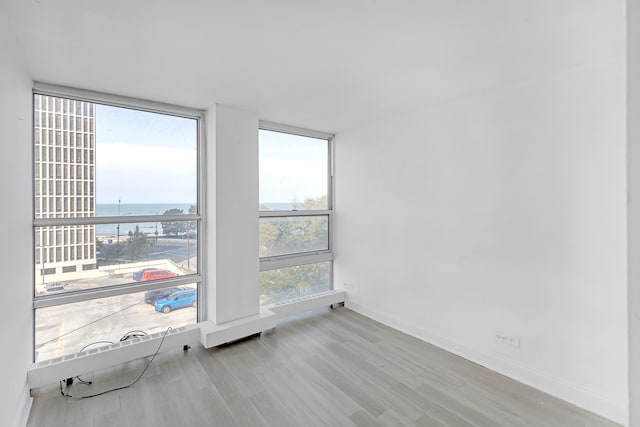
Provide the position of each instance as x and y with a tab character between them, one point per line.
514	341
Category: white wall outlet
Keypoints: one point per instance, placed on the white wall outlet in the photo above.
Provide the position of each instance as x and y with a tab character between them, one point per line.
514	341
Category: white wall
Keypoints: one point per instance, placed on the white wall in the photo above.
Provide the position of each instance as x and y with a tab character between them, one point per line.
633	162
15	251
500	212
232	207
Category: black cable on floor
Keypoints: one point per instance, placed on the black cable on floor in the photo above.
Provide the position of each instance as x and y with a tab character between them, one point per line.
136	333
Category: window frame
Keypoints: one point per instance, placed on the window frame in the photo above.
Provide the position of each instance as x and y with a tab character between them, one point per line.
44	301
311	257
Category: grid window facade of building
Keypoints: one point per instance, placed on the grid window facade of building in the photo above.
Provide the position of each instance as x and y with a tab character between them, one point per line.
64	183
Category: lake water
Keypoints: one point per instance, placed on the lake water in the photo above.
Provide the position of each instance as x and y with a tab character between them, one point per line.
135	209
131	209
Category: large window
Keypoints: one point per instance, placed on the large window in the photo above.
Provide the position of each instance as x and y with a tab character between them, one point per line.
295	212
117	215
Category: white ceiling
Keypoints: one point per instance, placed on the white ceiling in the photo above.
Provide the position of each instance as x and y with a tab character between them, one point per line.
327	65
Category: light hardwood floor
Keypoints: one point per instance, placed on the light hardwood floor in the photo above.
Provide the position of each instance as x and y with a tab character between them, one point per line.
323	368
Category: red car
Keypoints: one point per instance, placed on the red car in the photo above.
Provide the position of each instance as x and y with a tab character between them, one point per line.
156	274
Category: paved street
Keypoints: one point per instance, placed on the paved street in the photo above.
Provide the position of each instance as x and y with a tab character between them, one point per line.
170	254
174	249
178	250
68	328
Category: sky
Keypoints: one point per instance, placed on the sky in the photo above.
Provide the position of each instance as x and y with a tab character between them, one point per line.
144	157
292	167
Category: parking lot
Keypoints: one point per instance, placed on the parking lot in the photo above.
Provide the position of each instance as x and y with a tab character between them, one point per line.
68	328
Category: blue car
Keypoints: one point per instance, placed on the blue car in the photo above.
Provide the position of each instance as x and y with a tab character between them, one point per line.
180	299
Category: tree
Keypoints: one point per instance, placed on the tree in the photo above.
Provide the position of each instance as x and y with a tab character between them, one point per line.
107	252
290	235
173	227
317	203
293	282
190	226
138	244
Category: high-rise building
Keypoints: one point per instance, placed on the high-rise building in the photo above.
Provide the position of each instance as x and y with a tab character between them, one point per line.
64	186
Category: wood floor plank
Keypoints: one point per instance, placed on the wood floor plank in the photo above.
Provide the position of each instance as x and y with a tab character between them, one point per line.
272	410
245	413
364	419
305	401
376	381
433	409
391	418
466	409
322	368
428	421
354	390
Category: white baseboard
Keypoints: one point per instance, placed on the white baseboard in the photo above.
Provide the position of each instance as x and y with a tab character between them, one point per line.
557	387
24	408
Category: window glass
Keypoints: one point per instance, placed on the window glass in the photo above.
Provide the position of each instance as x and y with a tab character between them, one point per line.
158	171
69	328
118	253
144	164
293	234
293	171
95	161
294	282
294	180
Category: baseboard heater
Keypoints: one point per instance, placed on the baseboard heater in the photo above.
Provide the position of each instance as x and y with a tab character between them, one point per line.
53	370
306	303
213	335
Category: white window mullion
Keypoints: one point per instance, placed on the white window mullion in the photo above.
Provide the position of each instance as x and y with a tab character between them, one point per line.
44	222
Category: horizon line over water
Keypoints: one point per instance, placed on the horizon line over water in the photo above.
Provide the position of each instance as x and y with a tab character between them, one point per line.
149	209
134	209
